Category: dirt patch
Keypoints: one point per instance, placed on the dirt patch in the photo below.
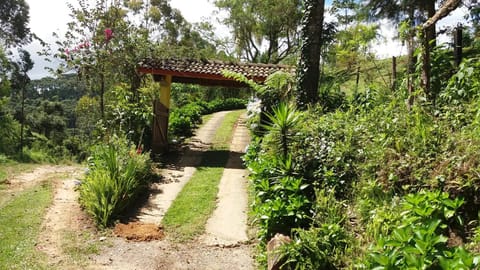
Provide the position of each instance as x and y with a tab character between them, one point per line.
62	216
29	179
139	231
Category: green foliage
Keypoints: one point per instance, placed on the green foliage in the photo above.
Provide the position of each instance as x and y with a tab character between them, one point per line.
131	112
281	200
276	89
323	245
117	175
419	239
316	248
360	165
183	120
9	133
256	23
464	85
14	17
282	122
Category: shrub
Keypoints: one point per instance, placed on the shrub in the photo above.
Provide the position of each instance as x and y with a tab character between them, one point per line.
419	239
317	248
323	245
117	175
183	120
9	133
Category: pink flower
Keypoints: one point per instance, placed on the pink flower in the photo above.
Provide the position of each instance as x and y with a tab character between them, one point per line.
67	51
108	34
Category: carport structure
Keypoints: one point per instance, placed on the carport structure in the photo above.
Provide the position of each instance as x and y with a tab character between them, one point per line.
202	72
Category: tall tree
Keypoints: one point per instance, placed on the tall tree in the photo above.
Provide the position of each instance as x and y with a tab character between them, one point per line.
20	80
308	69
264	31
14	17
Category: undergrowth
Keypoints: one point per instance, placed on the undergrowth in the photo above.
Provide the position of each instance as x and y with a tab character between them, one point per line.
373	184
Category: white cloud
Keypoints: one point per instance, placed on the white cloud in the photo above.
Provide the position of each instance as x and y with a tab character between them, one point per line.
46	17
202	10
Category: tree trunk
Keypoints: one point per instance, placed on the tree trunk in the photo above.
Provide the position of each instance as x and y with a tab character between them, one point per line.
428	41
458	45
425	78
443	11
22	123
410	59
394	73
102	95
431	32
309	64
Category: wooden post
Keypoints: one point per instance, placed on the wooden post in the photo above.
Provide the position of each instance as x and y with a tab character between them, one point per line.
161	110
394	73
458	45
357	80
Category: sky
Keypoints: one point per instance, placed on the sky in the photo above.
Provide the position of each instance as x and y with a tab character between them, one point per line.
48	16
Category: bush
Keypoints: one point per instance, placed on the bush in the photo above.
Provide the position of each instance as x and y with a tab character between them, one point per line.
316	248
183	120
323	245
117	175
419	239
9	133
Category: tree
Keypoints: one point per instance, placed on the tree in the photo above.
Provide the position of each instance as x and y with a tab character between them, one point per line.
20	80
308	69
352	43
107	40
14	17
264	31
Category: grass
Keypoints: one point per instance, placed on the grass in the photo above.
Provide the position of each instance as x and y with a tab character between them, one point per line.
224	134
206	117
20	222
79	246
189	212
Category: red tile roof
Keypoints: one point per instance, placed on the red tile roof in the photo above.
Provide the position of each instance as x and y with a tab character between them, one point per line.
208	72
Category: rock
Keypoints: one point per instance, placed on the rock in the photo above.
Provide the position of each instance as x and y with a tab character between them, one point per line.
103	238
274	258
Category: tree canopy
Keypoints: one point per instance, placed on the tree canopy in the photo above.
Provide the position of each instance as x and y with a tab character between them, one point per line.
14	18
263	31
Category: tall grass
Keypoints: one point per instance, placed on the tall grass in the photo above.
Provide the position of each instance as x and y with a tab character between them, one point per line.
117	175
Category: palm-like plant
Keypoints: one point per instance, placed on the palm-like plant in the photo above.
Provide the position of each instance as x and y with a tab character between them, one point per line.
283	119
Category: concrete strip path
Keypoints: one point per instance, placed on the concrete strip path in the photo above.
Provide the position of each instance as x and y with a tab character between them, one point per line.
228	224
164	193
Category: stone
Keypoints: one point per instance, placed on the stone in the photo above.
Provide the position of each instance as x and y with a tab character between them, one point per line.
274	258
